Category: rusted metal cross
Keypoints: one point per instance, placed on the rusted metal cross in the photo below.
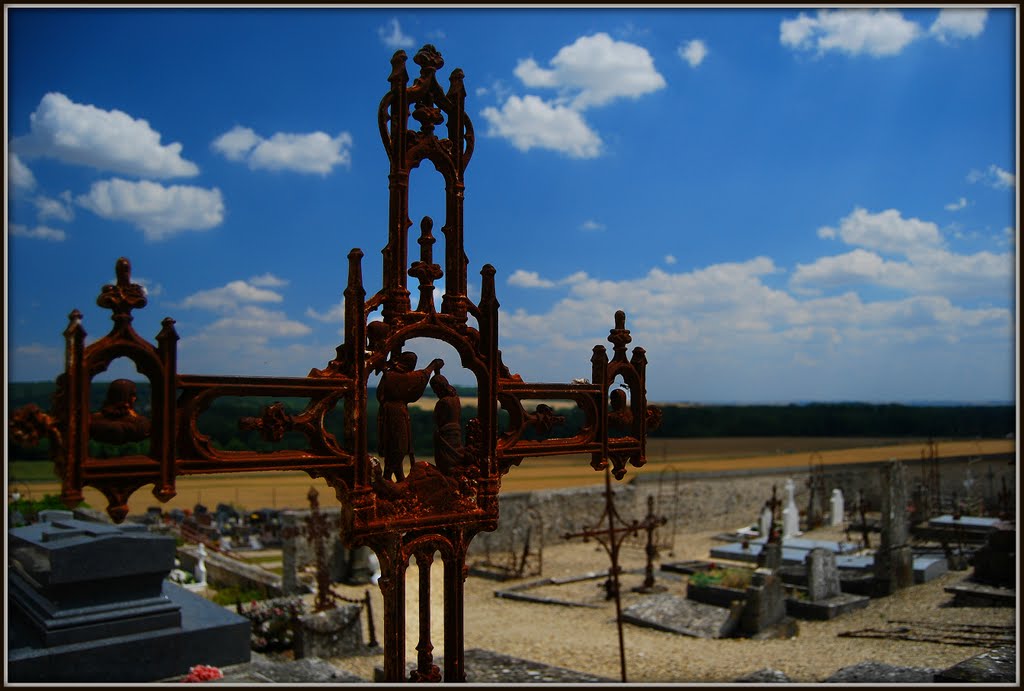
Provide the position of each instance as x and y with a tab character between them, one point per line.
610	537
400	507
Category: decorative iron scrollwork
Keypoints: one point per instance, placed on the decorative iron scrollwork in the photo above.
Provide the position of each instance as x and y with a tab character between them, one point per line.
435	508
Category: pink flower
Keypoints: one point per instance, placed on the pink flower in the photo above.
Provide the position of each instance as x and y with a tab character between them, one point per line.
201	673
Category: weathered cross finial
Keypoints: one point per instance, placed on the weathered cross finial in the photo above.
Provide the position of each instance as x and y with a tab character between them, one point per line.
425	269
124	296
619	336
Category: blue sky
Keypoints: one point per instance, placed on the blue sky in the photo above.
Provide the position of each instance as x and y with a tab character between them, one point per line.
789	204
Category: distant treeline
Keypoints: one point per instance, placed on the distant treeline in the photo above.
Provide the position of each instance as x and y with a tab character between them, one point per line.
221	421
837	420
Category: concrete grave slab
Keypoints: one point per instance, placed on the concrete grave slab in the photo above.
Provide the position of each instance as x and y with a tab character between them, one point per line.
667	612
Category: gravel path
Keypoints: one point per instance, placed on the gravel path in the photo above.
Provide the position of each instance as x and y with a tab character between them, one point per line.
585	639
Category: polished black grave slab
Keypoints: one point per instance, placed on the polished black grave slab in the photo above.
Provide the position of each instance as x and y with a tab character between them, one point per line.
89	602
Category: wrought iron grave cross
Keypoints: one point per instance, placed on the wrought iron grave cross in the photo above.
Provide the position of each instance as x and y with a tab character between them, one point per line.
400	510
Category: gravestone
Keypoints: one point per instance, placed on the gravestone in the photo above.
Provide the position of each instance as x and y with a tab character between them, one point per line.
360	569
822	575
680	615
200	572
332	633
790	514
89	602
894	559
995	562
836	506
770	556
763	613
765	522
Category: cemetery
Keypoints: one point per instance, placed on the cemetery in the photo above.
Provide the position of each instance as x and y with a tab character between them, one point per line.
849	574
932	626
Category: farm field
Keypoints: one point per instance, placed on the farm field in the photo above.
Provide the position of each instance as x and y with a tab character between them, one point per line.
288	490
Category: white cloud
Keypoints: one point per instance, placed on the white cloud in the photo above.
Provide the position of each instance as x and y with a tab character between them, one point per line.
60	209
37	233
994	177
236	143
335	314
670	259
530	122
693	52
957	205
150	288
108	140
598	69
591	224
255	320
878	33
314	152
926	265
268	280
39	354
18	174
886	231
722	333
231	296
958	23
529	279
392	36
159	211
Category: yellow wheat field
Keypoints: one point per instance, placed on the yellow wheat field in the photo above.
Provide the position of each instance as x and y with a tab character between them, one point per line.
289	490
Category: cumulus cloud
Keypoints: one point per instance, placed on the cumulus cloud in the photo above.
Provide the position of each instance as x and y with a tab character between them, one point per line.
108	140
314	152
886	231
922	263
958	23
593	71
335	314
391	35
37	233
160	212
994	177
878	33
591	224
529	279
957	205
36	354
18	174
60	209
268	280
693	52
255	320
236	143
722	332
530	122
670	259
598	69
230	297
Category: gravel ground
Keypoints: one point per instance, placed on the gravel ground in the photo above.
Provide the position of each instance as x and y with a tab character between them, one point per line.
585	639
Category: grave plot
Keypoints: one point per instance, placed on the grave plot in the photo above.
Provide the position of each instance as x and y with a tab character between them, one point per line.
994	578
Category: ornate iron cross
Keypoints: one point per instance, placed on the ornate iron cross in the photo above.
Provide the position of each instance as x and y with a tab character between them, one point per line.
401	510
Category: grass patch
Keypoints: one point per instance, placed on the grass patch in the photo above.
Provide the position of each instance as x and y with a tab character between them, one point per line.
30	471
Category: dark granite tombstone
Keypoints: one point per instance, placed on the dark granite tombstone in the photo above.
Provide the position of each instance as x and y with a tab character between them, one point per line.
995	563
89	602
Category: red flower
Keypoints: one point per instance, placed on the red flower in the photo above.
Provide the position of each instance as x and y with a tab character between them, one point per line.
201	673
